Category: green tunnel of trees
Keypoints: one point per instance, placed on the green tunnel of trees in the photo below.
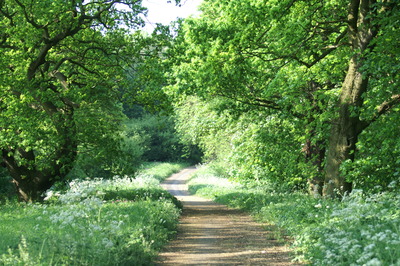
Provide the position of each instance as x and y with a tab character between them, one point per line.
301	94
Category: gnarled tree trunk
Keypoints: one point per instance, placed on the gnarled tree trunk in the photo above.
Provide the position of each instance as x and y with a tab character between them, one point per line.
344	132
29	178
315	154
347	126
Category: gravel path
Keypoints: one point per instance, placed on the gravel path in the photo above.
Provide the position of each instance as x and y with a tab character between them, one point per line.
213	234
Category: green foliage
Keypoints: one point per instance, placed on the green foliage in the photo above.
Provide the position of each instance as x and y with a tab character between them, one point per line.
61	65
124	158
147	74
279	67
377	162
257	59
249	145
359	230
382	63
119	152
198	123
121	221
266	148
161	170
159	139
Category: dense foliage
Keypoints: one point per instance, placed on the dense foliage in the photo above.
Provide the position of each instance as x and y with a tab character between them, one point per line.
302	91
156	136
60	67
249	146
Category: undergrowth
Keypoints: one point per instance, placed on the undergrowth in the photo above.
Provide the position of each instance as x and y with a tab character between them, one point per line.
358	230
119	221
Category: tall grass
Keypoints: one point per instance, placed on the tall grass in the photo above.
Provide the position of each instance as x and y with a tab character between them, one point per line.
119	221
358	230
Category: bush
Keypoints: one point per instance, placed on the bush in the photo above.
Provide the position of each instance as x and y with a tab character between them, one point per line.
124	158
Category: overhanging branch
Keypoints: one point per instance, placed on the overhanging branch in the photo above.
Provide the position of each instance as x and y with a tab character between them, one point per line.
388	105
382	109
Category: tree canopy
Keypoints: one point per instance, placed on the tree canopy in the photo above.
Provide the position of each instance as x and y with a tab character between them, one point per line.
318	65
61	65
289	91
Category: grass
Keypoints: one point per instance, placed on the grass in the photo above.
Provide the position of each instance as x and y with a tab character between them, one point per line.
162	170
122	221
358	230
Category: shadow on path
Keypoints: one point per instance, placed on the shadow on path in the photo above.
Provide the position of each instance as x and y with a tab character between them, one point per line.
213	234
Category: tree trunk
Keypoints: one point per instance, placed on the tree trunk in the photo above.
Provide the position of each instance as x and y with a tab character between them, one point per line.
28	182
344	132
31	180
347	126
315	154
31	189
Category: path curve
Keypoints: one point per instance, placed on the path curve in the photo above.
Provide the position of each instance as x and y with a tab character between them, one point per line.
213	234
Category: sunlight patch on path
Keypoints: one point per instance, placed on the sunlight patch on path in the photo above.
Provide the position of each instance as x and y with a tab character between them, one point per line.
213	234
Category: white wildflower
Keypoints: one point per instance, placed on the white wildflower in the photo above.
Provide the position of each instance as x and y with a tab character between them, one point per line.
107	243
369	247
373	262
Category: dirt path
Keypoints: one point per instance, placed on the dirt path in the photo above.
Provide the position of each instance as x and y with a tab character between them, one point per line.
213	234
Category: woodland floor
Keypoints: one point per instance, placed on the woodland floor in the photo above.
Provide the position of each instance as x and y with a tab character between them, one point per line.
213	234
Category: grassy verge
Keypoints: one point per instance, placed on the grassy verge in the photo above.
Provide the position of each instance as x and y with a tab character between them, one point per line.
161	171
120	221
359	230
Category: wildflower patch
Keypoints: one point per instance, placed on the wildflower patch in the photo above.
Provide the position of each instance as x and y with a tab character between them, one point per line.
119	221
358	230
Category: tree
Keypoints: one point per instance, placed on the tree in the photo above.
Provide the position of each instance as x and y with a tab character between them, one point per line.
293	58
366	20
61	63
277	59
146	72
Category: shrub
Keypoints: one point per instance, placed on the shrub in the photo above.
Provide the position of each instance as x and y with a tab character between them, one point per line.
107	161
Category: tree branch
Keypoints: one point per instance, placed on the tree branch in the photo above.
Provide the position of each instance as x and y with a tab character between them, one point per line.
382	109
27	17
388	105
